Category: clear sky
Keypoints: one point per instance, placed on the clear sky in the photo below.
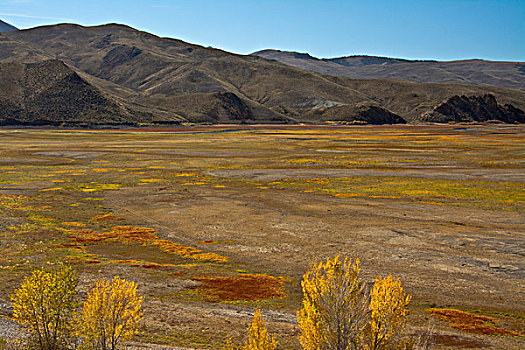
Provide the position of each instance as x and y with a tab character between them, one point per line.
422	29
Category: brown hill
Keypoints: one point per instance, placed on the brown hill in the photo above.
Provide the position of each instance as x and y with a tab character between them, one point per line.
360	114
16	51
50	93
473	109
477	72
173	81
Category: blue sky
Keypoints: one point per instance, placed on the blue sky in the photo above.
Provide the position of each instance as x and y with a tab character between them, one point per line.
422	29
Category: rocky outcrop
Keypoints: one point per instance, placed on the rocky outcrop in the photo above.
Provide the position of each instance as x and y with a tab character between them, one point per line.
363	114
50	93
473	109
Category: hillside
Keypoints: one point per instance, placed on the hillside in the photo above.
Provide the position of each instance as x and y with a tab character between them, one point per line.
50	93
5	27
173	81
477	72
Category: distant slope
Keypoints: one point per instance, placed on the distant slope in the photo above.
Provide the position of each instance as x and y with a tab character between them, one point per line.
16	51
167	80
477	72
5	27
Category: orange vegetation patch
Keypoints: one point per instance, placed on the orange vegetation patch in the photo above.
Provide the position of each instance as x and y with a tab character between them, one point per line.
208	241
126	262
74	223
471	323
107	217
120	233
93	262
244	287
134	233
188	252
152	180
88	236
144	235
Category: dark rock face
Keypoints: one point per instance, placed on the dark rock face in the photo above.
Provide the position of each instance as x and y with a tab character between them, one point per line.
473	109
230	106
366	114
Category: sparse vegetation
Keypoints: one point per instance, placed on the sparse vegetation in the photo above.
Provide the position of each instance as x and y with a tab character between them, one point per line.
429	204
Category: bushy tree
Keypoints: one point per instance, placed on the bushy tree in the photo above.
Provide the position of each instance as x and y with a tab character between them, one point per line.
44	305
340	313
258	336
110	315
388	315
334	312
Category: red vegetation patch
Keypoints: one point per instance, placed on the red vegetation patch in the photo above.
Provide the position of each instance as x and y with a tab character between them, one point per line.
244	287
208	241
471	323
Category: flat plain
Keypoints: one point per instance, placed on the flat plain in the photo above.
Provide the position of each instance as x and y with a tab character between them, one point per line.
214	221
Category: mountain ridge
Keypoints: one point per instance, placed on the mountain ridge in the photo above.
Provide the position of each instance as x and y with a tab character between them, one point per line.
474	71
167	80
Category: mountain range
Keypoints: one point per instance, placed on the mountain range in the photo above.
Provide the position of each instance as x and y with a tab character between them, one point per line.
113	74
477	72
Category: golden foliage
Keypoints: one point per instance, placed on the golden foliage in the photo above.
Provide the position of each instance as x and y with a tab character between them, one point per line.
43	305
258	336
339	313
110	315
334	310
388	314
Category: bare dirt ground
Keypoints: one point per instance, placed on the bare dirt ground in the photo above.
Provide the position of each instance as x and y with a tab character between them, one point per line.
440	207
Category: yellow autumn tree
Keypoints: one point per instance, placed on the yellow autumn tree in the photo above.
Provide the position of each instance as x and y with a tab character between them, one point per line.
44	305
334	311
110	315
258	336
388	315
